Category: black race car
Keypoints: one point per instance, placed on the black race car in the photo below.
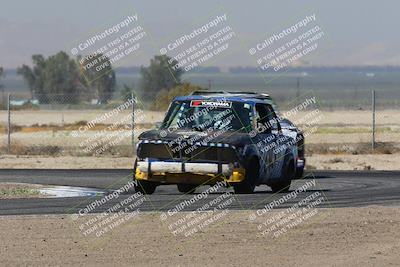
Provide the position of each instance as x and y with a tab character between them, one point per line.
217	136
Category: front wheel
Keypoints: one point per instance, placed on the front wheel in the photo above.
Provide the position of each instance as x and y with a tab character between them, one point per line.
248	185
281	186
145	187
186	188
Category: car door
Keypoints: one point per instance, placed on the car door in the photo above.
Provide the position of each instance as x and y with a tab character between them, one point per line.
280	148
267	140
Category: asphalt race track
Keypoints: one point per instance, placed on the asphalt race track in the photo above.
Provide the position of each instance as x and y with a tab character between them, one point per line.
339	189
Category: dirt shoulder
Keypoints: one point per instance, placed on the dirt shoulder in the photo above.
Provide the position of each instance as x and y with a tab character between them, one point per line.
65	162
333	237
385	162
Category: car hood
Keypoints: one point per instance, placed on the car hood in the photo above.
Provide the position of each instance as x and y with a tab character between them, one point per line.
182	135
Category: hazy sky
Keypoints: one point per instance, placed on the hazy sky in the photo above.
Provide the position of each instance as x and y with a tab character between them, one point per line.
360	32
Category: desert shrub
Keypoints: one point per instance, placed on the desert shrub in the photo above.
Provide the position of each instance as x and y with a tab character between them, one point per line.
17	148
164	97
26	106
335	160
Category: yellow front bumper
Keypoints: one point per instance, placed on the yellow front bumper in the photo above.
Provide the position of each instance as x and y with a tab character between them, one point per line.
237	176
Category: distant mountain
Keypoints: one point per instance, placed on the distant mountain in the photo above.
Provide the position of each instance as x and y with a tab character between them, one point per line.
251	70
319	69
10	72
136	70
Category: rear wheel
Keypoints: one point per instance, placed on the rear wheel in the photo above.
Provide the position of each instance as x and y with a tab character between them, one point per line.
145	187
284	184
300	148
248	185
186	188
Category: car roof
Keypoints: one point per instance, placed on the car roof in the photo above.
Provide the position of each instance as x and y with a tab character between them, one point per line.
245	97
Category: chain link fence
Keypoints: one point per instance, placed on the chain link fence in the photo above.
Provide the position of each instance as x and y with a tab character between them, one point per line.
59	125
71	125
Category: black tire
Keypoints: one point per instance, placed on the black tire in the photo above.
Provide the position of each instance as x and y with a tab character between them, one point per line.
299	173
187	188
284	185
145	187
281	187
248	185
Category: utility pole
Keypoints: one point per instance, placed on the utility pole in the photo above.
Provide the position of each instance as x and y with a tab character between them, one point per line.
3	100
8	125
298	88
133	121
209	84
373	119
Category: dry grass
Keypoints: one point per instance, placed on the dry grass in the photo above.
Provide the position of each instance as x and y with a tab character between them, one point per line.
17	148
352	130
335	160
71	127
352	149
15	190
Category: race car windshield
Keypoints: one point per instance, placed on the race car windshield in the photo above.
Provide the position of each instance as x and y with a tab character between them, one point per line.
203	115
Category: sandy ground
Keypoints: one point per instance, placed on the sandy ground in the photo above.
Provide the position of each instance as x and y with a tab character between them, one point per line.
354	162
332	237
316	161
353	138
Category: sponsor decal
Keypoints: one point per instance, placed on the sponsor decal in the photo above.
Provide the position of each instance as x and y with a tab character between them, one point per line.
210	103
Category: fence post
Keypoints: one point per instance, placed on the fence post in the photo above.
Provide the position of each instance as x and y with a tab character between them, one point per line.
133	122
8	125
373	119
